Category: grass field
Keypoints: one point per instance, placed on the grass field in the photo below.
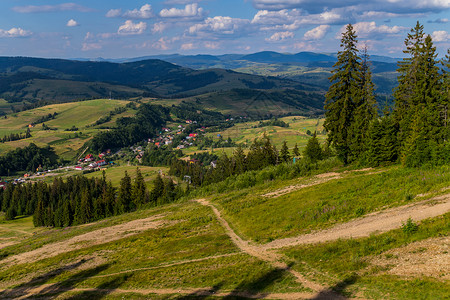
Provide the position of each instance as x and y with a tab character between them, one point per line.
188	250
116	173
78	114
263	219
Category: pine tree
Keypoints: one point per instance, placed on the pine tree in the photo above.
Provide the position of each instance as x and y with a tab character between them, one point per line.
296	151
313	151
139	189
285	156
365	111
343	96
124	196
239	160
158	189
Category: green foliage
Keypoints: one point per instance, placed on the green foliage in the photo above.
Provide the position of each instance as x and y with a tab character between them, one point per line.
409	227
345	104
313	151
273	122
285	156
27	159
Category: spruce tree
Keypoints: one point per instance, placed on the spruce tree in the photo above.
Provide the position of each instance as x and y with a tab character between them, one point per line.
285	156
343	96
365	111
296	151
124	196
139	189
239	160
313	151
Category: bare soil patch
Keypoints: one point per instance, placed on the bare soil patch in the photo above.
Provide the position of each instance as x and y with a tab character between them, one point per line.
429	257
89	239
372	223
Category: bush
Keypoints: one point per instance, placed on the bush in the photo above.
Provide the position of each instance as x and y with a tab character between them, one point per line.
409	227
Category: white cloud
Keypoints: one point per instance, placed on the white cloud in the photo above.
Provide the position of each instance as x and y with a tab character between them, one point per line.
114	13
440	36
159	27
440	21
304	46
162	44
145	12
130	28
317	33
72	23
212	45
187	46
50	8
189	11
14	32
371	30
280	36
91	46
224	26
316	6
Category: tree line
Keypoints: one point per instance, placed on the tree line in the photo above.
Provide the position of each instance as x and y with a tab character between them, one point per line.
27	159
78	200
415	131
16	136
262	153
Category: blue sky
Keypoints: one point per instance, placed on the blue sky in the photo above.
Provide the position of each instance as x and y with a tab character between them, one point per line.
117	29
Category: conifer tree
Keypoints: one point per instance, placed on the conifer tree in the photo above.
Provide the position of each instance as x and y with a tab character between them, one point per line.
285	156
296	151
313	151
365	111
343	96
124	196
139	189
239	160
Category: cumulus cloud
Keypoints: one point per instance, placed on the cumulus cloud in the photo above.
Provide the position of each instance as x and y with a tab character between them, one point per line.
440	36
14	33
317	33
50	8
159	27
371	30
224	26
439	21
130	28
316	6
280	36
212	45
91	46
72	23
189	11
187	46
145	12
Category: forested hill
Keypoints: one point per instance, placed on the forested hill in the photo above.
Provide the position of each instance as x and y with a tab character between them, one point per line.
31	79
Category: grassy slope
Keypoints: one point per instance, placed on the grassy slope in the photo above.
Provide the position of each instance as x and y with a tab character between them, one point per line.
143	258
264	219
79	114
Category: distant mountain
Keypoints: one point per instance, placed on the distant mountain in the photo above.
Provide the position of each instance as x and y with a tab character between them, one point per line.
58	80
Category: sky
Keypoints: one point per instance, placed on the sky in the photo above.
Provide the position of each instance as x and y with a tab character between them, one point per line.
132	28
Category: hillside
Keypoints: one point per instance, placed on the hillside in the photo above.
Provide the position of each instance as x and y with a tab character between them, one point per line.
250	242
29	81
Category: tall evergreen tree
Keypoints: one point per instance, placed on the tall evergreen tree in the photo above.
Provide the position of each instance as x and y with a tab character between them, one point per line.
343	96
365	111
139	189
124	196
313	151
296	151
285	156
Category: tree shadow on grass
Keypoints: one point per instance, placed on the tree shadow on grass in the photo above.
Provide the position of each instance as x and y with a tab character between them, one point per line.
336	292
102	290
245	290
25	290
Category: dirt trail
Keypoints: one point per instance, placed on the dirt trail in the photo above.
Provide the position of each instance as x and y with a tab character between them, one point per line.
376	222
322	178
89	239
259	252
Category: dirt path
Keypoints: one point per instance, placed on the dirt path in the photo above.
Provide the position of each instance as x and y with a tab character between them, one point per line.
376	222
319	179
257	251
89	239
